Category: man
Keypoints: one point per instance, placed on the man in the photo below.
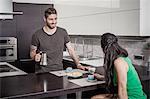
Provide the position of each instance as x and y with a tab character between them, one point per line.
52	40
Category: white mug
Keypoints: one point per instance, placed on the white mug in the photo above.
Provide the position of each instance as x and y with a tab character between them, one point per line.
92	70
90	77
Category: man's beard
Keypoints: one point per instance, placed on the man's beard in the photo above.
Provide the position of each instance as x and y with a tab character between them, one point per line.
51	26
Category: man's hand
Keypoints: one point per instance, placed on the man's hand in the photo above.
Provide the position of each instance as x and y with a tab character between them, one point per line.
38	57
79	66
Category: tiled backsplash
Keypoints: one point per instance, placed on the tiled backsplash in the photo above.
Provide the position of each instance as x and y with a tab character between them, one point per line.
83	45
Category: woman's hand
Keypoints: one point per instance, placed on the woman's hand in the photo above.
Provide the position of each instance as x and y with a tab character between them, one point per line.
98	76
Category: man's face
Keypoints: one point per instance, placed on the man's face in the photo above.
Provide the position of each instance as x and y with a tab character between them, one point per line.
51	21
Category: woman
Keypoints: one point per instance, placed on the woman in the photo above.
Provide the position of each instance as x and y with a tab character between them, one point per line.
119	71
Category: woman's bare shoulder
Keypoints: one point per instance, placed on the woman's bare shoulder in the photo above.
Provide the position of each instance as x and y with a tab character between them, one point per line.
120	63
119	60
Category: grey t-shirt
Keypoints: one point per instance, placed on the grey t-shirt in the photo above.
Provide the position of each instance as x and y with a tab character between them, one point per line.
53	45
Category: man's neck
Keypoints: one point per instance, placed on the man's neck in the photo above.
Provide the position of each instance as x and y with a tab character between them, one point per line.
48	30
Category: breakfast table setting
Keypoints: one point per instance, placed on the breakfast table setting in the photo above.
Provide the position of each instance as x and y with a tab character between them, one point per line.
79	77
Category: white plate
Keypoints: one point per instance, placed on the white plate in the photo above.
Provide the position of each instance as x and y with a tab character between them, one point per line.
95	80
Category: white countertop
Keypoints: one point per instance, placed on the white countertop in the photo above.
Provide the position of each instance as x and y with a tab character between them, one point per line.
95	62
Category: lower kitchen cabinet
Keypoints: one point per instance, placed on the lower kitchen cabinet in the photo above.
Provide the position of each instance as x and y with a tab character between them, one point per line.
146	88
27	65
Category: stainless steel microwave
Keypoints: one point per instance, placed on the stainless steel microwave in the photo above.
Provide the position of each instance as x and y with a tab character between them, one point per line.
8	48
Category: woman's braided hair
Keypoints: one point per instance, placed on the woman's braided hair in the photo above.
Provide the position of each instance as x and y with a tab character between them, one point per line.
112	50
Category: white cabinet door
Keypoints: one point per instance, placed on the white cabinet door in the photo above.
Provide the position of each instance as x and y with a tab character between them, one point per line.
83	20
122	19
145	17
125	19
33	1
126	23
127	5
87	25
131	18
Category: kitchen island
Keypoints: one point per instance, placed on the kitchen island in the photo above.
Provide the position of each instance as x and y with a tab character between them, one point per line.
36	86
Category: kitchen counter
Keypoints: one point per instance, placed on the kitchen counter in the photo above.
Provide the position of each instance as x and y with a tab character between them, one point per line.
35	86
95	62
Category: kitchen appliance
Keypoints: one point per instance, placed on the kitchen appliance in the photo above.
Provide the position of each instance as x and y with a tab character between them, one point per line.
7	69
43	59
8	49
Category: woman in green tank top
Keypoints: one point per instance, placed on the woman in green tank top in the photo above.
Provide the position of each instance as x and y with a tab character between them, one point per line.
119	71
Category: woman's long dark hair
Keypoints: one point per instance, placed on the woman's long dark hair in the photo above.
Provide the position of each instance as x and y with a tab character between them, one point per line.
112	50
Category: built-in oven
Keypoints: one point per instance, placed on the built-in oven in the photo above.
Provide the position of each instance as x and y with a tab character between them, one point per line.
8	49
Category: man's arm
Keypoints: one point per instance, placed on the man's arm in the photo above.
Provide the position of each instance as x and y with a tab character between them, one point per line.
33	54
74	56
121	68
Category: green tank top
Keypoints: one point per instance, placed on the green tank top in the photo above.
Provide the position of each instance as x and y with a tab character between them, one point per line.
134	87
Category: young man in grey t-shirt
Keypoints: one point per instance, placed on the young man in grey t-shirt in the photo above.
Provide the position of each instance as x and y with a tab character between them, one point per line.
52	40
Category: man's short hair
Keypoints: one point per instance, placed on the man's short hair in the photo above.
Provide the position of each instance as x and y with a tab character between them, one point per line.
50	11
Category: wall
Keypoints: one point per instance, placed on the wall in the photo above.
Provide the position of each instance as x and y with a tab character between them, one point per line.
134	46
23	26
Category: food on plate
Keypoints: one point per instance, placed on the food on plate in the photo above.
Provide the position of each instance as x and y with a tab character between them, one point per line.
74	74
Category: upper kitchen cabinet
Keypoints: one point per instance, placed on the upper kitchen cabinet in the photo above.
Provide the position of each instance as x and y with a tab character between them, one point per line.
145	17
125	18
33	1
131	18
126	5
84	20
94	17
118	16
122	17
125	23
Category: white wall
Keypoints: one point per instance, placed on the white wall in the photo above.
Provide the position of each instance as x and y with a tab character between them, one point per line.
145	17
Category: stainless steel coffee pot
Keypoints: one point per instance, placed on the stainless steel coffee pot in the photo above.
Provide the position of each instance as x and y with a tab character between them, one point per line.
43	59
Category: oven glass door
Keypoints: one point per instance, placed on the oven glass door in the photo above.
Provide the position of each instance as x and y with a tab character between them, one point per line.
4	52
